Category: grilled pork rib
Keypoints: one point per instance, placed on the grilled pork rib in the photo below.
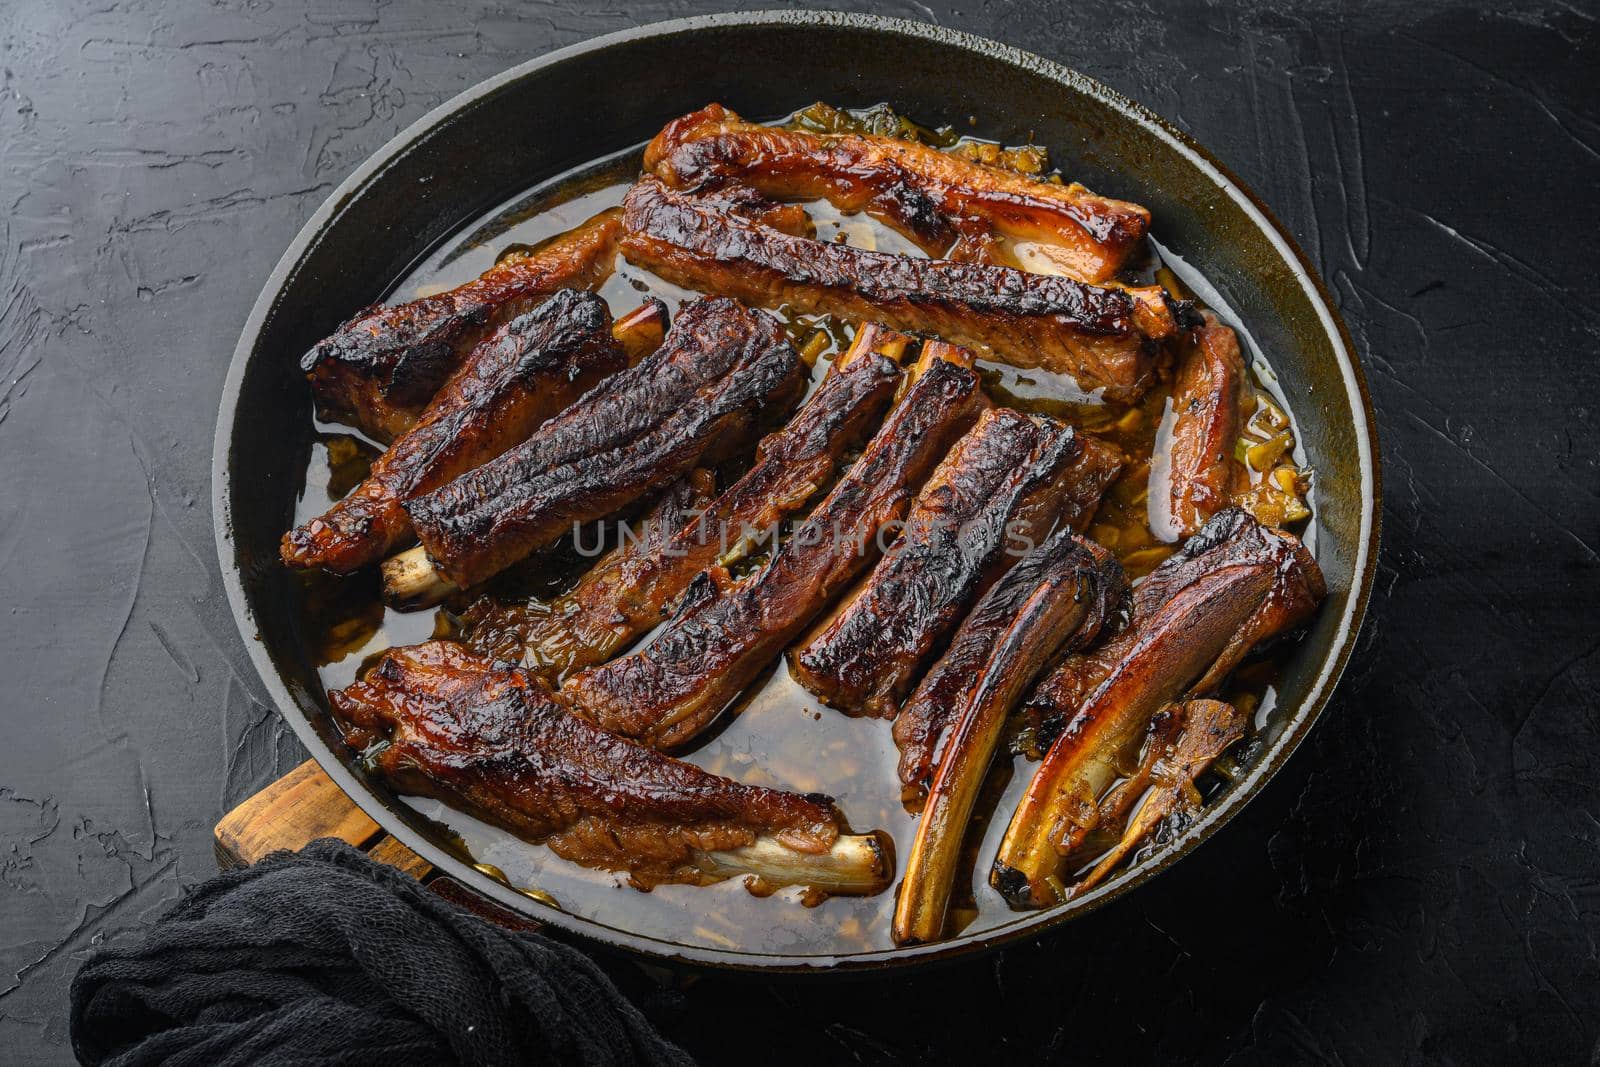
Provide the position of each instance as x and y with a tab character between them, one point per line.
498	742
379	369
532	367
727	632
999	493
1063	593
936	706
720	370
1232	586
627	592
1201	475
950	207
538	635
1105	338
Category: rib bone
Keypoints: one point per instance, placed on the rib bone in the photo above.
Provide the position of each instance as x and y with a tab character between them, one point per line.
1062	594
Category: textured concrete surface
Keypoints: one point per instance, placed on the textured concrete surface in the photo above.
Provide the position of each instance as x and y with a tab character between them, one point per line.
1421	882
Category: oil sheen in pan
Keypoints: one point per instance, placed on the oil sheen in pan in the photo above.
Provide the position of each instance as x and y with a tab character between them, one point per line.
780	735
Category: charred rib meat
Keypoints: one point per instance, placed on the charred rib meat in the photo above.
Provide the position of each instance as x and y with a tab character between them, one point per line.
721	369
1105	338
547	638
1201	472
627	592
1063	593
500	743
936	706
727	632
1230	587
532	367
379	369
950	207
997	494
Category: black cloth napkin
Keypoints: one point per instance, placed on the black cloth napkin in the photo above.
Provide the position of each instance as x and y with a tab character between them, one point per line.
324	956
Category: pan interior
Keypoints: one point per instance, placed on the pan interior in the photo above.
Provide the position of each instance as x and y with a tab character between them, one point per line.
447	191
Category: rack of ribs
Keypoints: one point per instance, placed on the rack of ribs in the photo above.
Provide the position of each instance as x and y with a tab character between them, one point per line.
628	591
1201	475
1063	594
1105	338
497	742
727	632
950	207
999	493
722	371
528	370
379	369
1232	586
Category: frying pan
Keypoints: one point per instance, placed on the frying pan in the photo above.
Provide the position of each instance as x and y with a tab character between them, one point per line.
548	115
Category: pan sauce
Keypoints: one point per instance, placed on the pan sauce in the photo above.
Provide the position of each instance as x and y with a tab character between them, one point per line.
778	735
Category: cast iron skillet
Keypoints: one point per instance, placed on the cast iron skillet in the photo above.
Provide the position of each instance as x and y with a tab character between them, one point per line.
548	115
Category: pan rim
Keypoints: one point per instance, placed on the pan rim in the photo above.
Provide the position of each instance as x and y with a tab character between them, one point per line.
606	936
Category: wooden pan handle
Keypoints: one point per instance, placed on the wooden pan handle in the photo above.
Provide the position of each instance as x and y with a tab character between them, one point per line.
304	805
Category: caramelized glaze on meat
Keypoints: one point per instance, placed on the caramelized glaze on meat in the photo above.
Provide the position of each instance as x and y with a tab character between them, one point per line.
529	369
1061	594
997	494
498	742
1096	581
1232	586
949	206
1105	338
538	635
721	369
628	592
378	370
1202	474
726	633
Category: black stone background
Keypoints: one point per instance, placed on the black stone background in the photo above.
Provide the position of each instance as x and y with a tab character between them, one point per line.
1421	882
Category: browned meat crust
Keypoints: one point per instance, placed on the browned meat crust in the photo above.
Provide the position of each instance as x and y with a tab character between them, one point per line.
498	742
997	495
1230	587
936	707
641	331
1092	473
536	635
628	592
1201	471
726	633
949	206
1105	338
532	367
1062	593
720	369
381	367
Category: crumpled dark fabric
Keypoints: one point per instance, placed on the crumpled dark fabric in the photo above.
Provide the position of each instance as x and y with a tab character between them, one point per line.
324	956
